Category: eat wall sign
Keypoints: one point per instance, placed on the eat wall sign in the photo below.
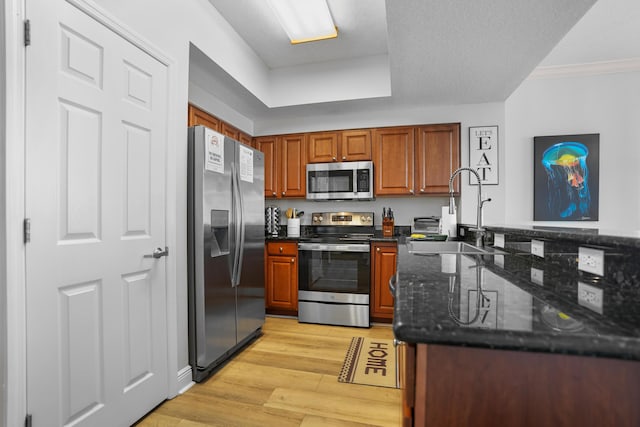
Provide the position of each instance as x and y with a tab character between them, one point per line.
483	154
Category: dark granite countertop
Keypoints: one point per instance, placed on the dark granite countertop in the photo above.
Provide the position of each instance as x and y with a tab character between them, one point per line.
526	303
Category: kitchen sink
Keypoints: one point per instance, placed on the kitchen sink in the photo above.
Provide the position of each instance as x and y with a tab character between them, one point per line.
448	247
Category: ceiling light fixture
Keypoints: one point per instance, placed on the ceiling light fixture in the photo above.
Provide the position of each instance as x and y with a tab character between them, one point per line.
305	20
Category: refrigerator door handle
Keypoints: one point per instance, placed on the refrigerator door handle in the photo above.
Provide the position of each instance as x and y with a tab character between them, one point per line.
241	234
237	218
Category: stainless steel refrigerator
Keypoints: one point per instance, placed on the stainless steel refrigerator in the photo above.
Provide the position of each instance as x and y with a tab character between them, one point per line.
225	248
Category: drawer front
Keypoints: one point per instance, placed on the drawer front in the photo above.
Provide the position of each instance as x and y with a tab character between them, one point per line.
282	248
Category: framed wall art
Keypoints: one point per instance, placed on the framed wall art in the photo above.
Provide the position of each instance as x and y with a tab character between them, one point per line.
566	177
483	154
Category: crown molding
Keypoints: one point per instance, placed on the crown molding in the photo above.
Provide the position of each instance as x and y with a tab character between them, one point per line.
588	69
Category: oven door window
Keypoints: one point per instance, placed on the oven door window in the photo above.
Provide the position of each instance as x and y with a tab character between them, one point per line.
333	271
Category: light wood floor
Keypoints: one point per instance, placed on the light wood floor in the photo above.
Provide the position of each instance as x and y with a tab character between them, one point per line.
287	377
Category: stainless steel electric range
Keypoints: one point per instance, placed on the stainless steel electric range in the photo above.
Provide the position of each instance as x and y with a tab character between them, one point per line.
335	268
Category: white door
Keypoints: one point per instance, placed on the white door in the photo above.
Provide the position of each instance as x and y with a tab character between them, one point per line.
95	194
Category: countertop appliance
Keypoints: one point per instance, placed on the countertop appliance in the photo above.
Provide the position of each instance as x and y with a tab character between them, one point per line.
340	181
334	269
225	242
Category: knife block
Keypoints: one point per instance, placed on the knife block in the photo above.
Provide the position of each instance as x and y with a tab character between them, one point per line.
387	227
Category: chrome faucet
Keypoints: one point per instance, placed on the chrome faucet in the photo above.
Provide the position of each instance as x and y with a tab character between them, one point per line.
479	230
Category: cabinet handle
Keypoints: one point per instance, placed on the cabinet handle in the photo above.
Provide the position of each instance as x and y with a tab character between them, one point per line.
344	157
422	190
280	249
283	193
377	249
293	260
411	191
334	158
274	193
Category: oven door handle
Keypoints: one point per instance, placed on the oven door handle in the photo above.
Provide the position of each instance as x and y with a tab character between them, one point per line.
336	247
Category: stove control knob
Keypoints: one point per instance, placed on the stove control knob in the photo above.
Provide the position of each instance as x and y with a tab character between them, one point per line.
319	218
363	218
368	219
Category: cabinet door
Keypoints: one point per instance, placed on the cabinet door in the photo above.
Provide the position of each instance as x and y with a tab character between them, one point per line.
355	145
245	139
282	282
268	145
385	257
407	374
393	157
437	156
323	147
230	131
200	117
293	158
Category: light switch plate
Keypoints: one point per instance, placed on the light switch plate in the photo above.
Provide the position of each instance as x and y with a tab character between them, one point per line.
537	248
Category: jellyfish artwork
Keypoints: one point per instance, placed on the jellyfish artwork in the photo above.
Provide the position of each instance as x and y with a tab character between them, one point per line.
567	180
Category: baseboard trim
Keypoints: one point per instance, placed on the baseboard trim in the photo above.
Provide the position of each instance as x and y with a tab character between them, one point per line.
185	379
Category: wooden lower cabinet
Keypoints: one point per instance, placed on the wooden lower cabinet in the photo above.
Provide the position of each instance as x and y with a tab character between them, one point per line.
463	386
384	256
281	277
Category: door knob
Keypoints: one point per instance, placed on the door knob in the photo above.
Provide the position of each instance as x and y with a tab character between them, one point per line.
158	253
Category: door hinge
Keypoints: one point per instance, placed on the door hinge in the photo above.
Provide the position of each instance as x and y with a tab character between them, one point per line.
27	32
27	420
26	230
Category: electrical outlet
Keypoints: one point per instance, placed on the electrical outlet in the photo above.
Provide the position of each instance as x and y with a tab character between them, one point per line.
591	260
498	240
537	248
590	297
537	276
499	260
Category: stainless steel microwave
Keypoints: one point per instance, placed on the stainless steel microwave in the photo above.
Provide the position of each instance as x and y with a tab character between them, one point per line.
340	181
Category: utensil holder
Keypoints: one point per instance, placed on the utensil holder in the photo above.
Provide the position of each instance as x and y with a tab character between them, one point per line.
387	227
293	227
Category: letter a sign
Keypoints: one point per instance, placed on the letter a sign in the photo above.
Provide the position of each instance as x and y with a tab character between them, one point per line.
483	154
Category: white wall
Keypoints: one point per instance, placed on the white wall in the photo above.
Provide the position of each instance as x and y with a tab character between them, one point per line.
608	104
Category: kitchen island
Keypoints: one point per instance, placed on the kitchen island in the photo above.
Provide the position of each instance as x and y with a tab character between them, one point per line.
512	338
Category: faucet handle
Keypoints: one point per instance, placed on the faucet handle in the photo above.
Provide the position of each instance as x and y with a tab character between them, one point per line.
488	199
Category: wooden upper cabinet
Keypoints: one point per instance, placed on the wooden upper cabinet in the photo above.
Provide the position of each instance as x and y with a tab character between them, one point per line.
245	139
323	147
293	165
393	158
343	146
355	145
200	117
437	157
228	130
285	161
269	146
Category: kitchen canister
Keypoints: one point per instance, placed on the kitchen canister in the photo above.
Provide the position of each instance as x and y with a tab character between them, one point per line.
293	227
